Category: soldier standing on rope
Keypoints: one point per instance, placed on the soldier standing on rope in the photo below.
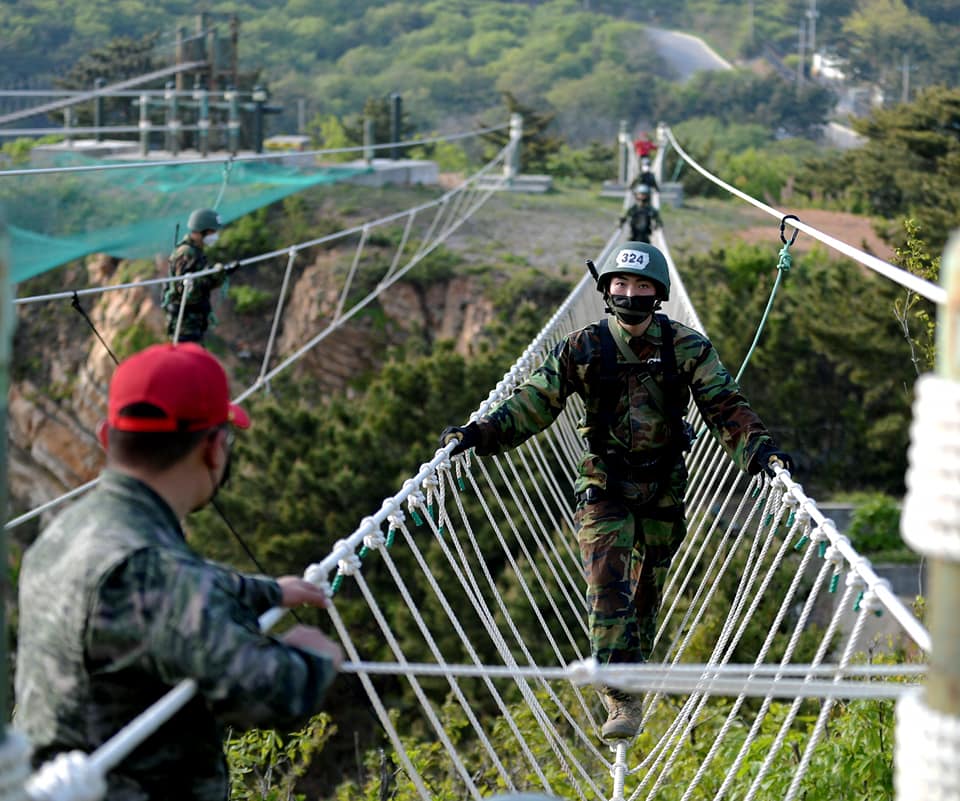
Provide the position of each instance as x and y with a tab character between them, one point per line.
644	218
635	376
188	257
116	608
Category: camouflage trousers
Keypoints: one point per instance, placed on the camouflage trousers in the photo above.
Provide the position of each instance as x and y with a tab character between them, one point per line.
625	557
193	327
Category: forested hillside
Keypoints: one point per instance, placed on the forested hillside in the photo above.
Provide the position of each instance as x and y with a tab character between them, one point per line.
586	60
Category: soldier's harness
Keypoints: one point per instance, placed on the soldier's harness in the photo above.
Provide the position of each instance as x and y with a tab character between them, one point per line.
672	400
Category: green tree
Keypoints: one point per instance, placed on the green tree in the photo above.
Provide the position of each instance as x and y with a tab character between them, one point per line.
537	145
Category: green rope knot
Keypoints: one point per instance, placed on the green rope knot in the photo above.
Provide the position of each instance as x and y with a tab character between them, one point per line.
336	583
834	581
785	261
856	605
801	542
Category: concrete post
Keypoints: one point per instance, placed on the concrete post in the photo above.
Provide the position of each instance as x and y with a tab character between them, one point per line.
259	99
180	57
368	140
511	167
144	125
68	123
623	153
202	96
98	84
396	115
233	121
172	122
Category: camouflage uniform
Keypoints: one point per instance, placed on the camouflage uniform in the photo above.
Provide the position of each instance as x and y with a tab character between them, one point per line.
643	220
645	178
115	609
188	258
630	515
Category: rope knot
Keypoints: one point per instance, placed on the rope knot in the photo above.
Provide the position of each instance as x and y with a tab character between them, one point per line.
819	534
583	671
349	565
785	262
375	539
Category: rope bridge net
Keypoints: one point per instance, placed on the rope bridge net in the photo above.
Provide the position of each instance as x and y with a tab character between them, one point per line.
758	563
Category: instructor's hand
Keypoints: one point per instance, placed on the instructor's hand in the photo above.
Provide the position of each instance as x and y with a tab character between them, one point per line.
466	437
300	592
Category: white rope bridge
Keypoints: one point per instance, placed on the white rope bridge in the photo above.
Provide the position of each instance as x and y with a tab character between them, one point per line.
489	546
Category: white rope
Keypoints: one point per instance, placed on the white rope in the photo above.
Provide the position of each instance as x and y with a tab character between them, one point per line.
927	751
930	522
914	283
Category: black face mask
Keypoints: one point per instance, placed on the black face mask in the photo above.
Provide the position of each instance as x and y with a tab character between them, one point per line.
632	310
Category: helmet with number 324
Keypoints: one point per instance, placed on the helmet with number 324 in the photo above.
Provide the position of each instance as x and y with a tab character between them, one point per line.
637	258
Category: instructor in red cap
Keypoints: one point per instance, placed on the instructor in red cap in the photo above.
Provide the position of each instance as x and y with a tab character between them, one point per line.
116	608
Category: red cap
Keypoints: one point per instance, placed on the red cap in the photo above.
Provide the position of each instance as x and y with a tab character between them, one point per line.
185	381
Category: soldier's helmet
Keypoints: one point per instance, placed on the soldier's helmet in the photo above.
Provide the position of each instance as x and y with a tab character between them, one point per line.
644	164
204	220
643	190
637	258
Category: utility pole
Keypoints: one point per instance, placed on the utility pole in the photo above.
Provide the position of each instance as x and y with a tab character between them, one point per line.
905	79
801	44
812	15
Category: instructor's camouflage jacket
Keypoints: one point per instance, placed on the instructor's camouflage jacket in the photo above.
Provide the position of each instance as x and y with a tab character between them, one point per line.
116	609
639	426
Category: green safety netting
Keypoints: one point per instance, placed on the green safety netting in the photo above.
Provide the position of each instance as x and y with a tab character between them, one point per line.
134	212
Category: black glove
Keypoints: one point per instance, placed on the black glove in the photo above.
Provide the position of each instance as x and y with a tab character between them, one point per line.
468	436
231	267
766	456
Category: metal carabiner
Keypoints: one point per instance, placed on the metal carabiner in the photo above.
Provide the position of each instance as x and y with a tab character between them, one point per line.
783	224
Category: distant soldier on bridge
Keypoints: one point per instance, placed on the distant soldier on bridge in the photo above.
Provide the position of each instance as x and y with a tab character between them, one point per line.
204	228
643	217
644	146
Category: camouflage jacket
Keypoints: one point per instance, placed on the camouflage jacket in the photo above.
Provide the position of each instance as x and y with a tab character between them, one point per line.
188	258
116	609
639	426
643	220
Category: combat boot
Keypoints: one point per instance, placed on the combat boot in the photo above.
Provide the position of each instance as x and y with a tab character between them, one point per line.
625	714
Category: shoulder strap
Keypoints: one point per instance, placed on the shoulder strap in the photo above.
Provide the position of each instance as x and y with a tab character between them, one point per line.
676	396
